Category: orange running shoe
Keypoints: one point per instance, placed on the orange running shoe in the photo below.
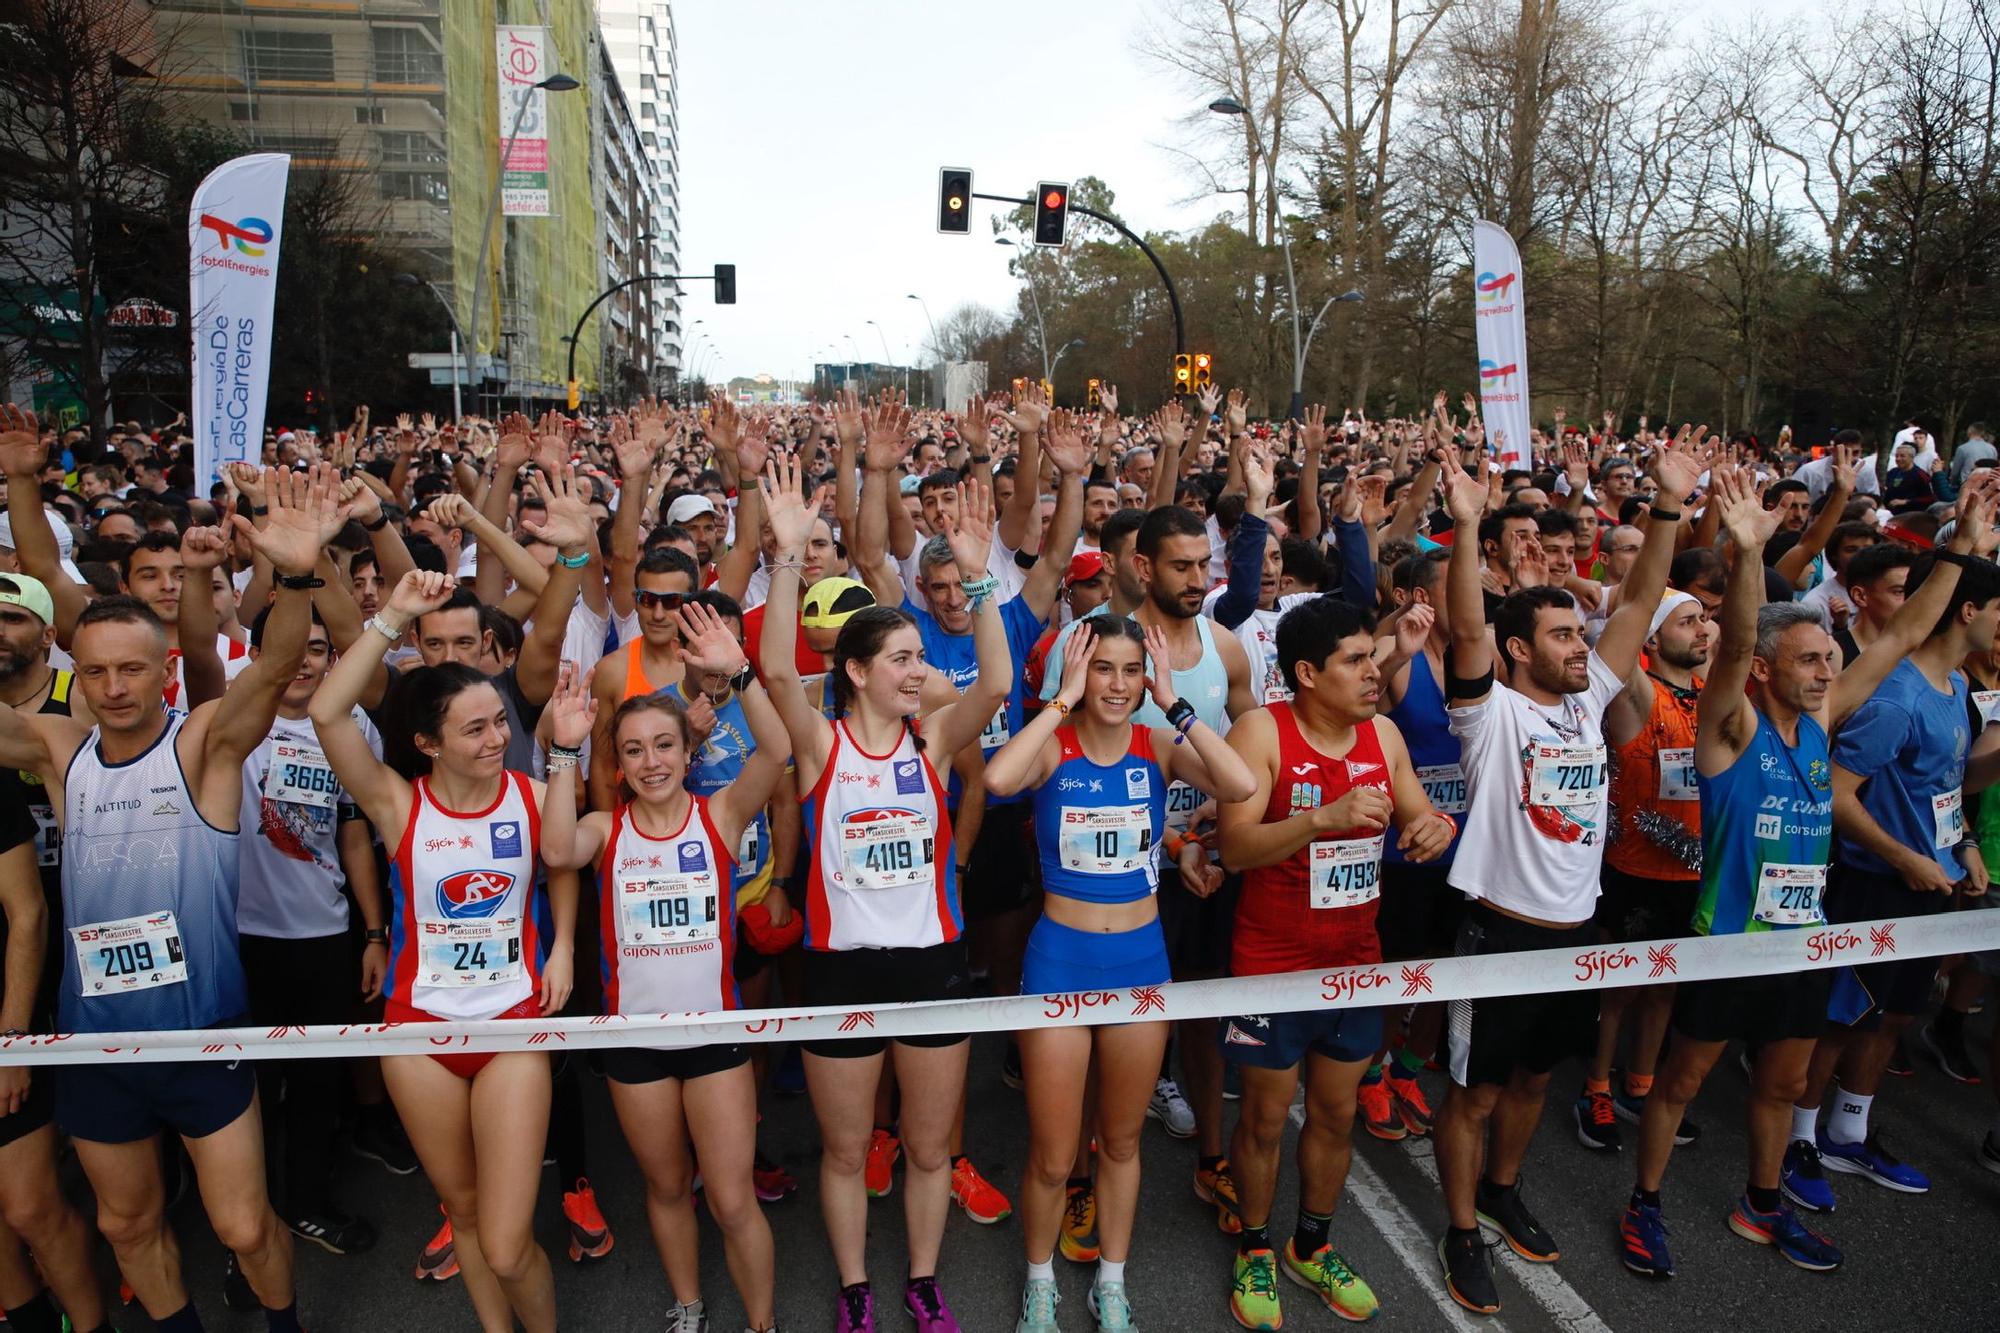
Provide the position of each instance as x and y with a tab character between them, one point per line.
1078	1240
976	1195
1411	1106
438	1262
589	1234
1378	1110
883	1150
1219	1188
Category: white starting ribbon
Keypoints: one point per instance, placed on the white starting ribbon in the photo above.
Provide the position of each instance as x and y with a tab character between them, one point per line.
1701	958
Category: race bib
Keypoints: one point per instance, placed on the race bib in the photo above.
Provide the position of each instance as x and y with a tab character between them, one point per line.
469	953
1985	701
1445	785
1565	774
668	909
1948	814
300	775
1346	873
133	954
1182	802
1789	895
1106	842
1677	776
996	732
889	850
48	835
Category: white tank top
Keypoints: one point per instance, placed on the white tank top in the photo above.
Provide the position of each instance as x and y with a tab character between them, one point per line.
883	875
667	919
462	939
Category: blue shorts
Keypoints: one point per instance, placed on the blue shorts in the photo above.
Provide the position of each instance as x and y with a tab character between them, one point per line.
123	1103
1281	1041
1061	959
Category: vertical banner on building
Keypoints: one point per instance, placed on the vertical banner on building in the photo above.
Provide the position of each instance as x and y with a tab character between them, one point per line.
1499	318
233	236
524	174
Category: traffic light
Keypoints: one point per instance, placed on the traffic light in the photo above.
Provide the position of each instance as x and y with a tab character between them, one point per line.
1048	392
1020	387
1092	396
725	284
1051	212
1204	370
575	395
1183	374
955	200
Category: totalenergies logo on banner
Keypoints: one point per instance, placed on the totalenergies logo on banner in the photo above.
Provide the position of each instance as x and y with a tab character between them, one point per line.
1491	372
249	236
1495	288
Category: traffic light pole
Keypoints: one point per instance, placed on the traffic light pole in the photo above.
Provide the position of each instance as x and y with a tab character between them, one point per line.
1173	297
610	292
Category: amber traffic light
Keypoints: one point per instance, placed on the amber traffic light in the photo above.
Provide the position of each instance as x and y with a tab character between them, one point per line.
955	200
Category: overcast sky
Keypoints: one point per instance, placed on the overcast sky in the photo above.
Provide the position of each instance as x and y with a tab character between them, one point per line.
812	134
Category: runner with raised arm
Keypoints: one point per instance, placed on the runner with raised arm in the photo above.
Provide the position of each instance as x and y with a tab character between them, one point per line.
667	913
883	923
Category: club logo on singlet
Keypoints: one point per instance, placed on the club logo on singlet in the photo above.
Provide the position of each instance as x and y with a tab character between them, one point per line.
472	895
506	838
1138	785
909	777
694	857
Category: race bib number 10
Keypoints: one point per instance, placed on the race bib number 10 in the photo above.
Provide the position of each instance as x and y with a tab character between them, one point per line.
1116	841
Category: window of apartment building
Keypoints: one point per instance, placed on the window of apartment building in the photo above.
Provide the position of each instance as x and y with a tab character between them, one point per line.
408	147
423	186
280	55
371	115
243	111
403	55
308	147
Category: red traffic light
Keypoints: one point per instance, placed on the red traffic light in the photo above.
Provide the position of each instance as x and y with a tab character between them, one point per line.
1054	198
1051	212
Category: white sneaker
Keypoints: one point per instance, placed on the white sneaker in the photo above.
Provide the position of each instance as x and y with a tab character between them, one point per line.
688	1319
1109	1307
1039	1300
1171	1109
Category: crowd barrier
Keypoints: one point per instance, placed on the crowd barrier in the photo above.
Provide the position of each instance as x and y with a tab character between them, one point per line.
1647	963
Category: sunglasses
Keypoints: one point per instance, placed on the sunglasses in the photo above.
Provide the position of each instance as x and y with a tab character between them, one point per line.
665	601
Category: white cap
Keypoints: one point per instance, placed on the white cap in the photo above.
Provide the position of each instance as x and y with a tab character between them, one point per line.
285	437
688	506
65	539
1670	603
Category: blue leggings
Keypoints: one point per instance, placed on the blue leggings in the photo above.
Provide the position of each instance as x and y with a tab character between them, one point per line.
1061	959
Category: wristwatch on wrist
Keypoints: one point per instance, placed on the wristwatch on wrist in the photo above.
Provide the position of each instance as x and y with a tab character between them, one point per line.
393	633
379	935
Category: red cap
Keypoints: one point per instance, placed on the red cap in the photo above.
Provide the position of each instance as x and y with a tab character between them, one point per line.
1084	565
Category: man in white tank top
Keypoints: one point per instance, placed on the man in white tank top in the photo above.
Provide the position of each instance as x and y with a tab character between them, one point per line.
165	893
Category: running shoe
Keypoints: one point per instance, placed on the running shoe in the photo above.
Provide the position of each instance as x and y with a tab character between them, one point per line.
857	1310
438	1262
976	1195
926	1305
1378	1109
1254	1301
1339	1286
1219	1188
773	1183
1596	1117
1503	1210
1010	1068
1411	1107
688	1319
1171	1109
1109	1307
1989	1153
1468	1273
1869	1158
1951	1055
880	1173
1799	1243
379	1137
589	1234
1642	1241
1078	1240
1803	1181
1900	1063
1039	1299
236	1291
1632	1110
333	1231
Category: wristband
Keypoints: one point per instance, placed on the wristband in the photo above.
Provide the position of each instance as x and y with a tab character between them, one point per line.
1180	714
258	511
1175	844
384	628
1955	558
379	935
743	679
978	591
1062	709
1670	515
565	751
381	522
577	561
300	582
1449	820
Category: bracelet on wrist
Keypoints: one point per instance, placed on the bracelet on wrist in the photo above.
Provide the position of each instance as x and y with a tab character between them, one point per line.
299	582
1670	515
577	561
1062	709
381	522
393	633
258	511
377	935
565	751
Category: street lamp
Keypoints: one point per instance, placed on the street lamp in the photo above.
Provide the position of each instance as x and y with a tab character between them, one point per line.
1034	295
937	352
555	83
1073	342
889	359
457	374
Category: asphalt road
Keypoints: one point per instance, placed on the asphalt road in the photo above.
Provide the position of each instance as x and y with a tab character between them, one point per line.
1928	1259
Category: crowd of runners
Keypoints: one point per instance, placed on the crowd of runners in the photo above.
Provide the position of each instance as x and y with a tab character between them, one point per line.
667	711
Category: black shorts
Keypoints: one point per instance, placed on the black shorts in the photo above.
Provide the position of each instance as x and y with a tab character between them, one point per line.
1900	986
1756	1010
1282	1041
1419	912
1491	1038
859	978
1635	908
123	1102
1198	931
1003	871
745	962
37	1109
646	1064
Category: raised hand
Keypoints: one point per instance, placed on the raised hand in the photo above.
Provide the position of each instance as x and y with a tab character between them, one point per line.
755	446
517	441
633	452
1312	434
1076	663
1171	421
1237	417
847	419
725	423
1464	495
361	500
1748	524
305	514
1680	465
1107	398
248	479
419	592
887	430
1160	668
972	426
1413	628
1209	398
1031	409
22	452
202	549
1978	504
1576	464
572	707
1260	476
707	643
1528	564
1066	446
450	510
971	534
567	525
1845	464
786	510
